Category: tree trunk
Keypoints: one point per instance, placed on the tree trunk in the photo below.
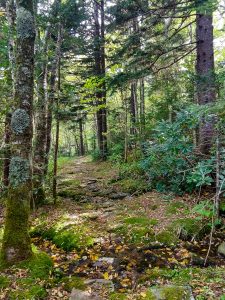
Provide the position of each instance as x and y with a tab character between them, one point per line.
7	153
142	104
55	168
11	14
40	140
133	109
205	76
100	72
82	152
16	244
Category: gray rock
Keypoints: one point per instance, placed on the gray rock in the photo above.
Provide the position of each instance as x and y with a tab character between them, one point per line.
82	295
163	292
104	261
221	249
118	196
97	284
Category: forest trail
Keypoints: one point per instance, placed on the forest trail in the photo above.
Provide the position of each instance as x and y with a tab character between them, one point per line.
124	242
116	244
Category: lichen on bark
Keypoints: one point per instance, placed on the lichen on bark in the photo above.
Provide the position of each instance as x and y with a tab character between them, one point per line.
20	121
19	171
25	23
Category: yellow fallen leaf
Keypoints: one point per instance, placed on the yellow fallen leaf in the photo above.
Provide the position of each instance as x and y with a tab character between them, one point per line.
106	275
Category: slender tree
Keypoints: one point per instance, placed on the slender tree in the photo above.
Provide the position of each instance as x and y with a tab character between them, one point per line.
16	244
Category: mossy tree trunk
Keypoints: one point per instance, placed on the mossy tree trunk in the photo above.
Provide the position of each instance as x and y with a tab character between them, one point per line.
16	244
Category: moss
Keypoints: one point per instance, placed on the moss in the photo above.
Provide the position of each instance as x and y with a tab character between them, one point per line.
188	228
16	245
20	121
19	171
130	185
135	234
150	296
174	207
73	282
72	194
141	221
167	238
65	238
25	24
4	282
168	293
117	296
31	292
69	183
175	293
39	266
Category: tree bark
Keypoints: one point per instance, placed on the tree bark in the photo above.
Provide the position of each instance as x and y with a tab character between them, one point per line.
16	244
82	151
205	76
40	140
142	104
133	109
55	168
11	15
99	53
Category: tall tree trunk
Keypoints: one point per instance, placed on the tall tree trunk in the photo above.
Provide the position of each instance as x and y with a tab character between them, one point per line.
205	76
100	72
11	14
142	104
82	152
16	244
133	109
50	104
55	167
7	152
40	140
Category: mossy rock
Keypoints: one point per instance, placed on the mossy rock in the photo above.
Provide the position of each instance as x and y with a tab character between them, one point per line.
139	234
167	238
189	228
74	237
73	282
178	275
131	186
169	293
73	194
69	183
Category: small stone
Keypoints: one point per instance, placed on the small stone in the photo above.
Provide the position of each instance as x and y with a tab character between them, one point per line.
104	261
221	249
82	295
96	284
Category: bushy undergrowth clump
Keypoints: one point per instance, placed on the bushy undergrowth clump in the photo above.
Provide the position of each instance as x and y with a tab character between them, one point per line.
170	160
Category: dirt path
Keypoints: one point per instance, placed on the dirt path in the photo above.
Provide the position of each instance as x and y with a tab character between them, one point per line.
105	238
130	239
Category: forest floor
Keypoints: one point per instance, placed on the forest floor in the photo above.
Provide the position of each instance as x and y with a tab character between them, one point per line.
108	241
